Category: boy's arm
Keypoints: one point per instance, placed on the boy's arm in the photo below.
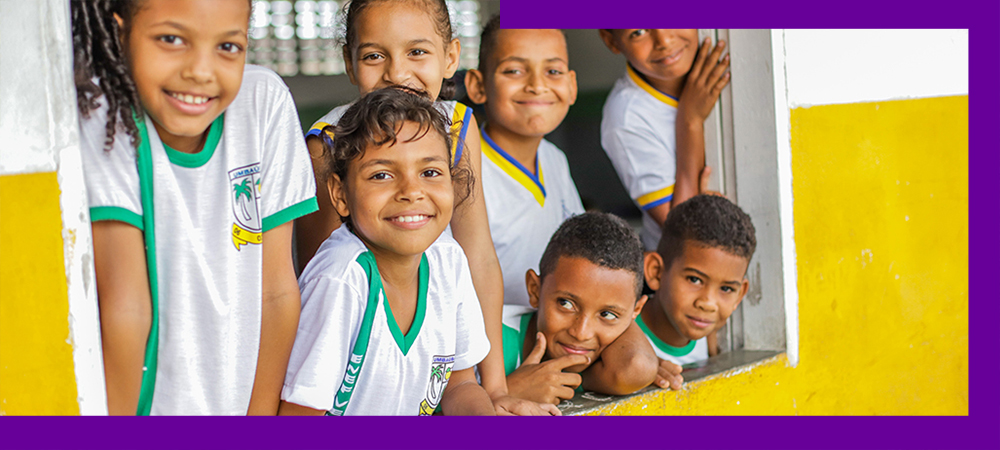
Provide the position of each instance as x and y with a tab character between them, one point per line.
545	382
312	229
626	366
704	83
464	397
471	228
125	310
291	409
278	322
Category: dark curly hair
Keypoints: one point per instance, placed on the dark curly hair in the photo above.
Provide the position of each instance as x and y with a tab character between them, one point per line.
710	221
488	41
438	10
601	238
98	51
376	119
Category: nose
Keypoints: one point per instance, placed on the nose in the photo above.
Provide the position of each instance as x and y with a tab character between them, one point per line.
662	37
582	329
410	189
536	82
200	67
397	72
707	303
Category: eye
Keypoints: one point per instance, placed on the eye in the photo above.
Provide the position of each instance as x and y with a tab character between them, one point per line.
564	304
693	279
636	34
171	39
430	173
511	72
555	72
608	315
371	57
380	176
418	52
728	289
230	47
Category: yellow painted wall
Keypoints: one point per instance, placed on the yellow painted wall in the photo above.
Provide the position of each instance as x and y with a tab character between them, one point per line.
36	357
881	234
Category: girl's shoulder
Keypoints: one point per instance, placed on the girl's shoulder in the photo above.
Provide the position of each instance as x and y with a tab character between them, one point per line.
336	257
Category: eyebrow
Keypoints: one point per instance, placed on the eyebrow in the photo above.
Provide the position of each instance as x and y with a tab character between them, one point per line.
705	275
525	60
408	44
375	162
181	27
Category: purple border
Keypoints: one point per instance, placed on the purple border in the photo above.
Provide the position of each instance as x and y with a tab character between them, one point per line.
978	430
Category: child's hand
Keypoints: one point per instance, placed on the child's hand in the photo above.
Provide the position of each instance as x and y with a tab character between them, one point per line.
545	382
510	406
704	84
706	175
669	375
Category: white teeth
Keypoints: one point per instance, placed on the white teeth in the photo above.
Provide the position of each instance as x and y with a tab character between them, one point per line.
410	218
190	99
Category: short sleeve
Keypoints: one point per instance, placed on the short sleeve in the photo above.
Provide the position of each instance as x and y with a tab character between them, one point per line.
645	163
287	185
111	176
471	343
332	310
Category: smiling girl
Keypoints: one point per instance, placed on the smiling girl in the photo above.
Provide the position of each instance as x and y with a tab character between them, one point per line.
391	324
195	169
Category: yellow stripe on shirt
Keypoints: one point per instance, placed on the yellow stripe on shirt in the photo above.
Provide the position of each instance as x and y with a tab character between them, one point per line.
649	88
655	198
504	162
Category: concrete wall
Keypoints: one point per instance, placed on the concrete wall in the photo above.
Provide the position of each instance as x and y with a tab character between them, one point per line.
50	353
879	176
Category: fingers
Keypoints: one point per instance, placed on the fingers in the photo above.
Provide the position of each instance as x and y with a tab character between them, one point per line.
563	393
719	72
669	375
537	352
569	379
699	60
563	362
550	409
709	67
706	175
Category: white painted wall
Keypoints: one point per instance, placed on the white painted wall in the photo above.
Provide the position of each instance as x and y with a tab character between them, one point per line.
850	66
39	133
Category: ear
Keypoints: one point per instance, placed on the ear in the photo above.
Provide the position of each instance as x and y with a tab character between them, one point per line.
638	306
121	22
338	196
349	66
652	265
452	52
743	292
572	87
609	41
534	285
475	86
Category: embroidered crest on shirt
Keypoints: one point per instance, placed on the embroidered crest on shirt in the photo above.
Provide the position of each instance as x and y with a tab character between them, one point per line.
246	205
440	374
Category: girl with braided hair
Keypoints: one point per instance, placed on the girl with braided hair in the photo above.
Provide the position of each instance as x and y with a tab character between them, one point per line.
195	168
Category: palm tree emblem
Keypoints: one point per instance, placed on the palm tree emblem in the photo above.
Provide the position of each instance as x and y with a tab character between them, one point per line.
244	189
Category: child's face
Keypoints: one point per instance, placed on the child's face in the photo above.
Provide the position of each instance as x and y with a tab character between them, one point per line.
700	289
582	307
660	55
187	61
399	197
529	88
398	43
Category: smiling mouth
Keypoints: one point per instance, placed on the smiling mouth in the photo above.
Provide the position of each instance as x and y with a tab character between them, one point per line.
189	99
575	350
409	219
671	58
699	323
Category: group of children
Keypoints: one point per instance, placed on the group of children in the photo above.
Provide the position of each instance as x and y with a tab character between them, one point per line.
446	267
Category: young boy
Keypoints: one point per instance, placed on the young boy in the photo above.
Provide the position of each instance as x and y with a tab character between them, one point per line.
653	122
527	87
699	274
588	294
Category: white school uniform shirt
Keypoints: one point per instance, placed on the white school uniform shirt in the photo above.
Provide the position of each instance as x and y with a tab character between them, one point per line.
400	375
694	352
639	136
524	210
203	216
459	114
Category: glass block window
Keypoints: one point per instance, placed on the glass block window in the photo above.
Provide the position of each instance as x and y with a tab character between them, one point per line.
301	36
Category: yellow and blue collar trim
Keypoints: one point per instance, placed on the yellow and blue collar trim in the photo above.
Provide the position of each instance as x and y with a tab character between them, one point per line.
534	185
649	88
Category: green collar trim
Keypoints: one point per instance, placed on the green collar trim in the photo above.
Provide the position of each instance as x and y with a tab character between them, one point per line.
193	160
404	342
665	347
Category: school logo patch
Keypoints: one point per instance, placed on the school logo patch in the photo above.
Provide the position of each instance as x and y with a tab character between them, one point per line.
440	374
246	205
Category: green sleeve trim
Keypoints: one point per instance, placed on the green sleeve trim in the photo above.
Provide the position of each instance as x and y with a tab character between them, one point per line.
290	213
99	213
145	168
513	344
193	160
665	347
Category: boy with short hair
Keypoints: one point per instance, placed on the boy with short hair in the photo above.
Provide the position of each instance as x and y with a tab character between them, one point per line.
527	87
588	294
699	275
653	121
